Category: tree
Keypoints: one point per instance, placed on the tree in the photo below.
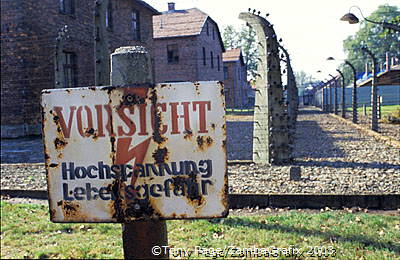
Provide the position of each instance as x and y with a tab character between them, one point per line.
303	80
243	38
378	39
230	37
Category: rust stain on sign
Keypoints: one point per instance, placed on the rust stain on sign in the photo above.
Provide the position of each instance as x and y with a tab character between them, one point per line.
121	154
203	142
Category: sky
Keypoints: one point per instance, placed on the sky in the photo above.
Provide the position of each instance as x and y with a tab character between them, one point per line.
310	29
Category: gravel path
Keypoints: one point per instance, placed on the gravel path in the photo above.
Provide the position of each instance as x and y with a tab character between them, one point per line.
334	158
385	129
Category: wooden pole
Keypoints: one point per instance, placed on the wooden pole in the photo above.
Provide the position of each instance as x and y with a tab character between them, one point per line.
131	66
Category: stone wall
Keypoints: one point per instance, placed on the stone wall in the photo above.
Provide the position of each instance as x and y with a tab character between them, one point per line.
28	32
190	66
236	88
213	44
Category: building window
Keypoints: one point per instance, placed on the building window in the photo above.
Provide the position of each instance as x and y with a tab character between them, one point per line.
69	61
208	30
218	63
212	59
204	56
213	33
109	21
67	6
135	25
226	72
173	53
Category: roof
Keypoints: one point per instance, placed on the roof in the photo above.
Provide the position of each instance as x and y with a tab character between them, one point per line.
387	77
182	23
146	5
179	23
231	55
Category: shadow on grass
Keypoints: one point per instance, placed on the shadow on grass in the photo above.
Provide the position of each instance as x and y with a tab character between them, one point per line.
366	241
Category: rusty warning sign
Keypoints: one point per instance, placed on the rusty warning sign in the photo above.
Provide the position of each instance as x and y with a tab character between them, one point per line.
119	154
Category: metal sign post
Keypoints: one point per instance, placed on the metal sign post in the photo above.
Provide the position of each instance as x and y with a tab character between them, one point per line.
130	67
136	153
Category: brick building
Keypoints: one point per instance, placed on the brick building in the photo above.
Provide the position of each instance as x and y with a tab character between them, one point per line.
187	46
28	32
235	78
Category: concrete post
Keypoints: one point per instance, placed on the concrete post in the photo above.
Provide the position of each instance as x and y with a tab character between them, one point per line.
131	66
101	52
326	98
379	107
343	95
374	94
354	101
271	135
325	89
292	92
330	99
59	80
335	97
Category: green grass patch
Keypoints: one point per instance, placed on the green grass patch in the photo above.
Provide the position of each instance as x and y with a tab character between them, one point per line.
26	232
386	110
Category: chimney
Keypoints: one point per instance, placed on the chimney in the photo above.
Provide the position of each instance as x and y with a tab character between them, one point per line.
171	6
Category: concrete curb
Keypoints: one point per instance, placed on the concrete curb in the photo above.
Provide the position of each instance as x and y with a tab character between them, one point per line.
314	201
230	162
31	194
385	139
293	201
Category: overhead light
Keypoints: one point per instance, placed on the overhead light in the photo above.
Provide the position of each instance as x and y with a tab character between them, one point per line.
351	18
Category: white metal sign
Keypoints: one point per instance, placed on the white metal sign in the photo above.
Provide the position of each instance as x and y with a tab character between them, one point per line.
119	154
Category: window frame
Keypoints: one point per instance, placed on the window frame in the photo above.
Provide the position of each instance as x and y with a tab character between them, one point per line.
204	56
212	59
67	7
109	17
135	23
69	69
171	50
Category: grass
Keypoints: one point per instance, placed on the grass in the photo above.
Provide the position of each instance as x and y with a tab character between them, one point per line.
26	232
386	110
